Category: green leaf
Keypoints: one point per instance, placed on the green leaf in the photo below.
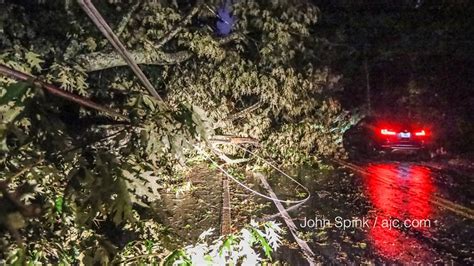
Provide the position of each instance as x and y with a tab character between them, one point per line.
175	256
14	92
58	204
122	205
148	101
266	247
227	244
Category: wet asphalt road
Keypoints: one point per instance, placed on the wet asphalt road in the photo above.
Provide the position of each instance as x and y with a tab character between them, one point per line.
385	212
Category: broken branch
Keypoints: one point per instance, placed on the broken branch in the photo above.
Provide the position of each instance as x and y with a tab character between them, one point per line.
100	61
17	75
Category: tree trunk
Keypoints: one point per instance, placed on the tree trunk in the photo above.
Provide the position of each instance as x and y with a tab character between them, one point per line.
367	80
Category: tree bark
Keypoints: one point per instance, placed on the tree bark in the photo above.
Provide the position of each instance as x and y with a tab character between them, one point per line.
367	79
226	211
101	60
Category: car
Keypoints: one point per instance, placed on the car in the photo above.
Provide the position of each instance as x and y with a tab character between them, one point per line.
377	135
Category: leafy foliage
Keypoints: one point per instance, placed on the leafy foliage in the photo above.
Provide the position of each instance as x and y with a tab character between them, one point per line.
234	249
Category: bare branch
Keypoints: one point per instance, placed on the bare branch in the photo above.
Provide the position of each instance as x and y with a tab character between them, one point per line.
226	140
232	37
237	115
17	75
247	110
24	170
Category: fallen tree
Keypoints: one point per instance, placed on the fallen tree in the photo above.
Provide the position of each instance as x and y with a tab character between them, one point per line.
263	82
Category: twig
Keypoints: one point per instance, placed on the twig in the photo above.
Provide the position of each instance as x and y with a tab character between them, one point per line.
180	25
237	115
232	37
123	23
96	140
24	170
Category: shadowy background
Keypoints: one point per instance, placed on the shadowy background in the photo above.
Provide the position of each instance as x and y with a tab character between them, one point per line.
412	57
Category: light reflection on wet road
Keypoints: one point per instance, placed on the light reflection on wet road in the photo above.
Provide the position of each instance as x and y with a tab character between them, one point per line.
400	194
416	214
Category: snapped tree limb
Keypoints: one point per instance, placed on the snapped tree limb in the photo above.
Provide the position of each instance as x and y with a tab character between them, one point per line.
101	60
104	60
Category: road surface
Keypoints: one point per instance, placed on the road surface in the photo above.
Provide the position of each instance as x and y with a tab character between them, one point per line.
385	212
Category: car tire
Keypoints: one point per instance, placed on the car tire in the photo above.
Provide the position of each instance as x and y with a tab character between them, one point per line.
371	150
424	155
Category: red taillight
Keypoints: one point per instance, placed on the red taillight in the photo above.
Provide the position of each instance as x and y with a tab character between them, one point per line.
420	133
387	132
